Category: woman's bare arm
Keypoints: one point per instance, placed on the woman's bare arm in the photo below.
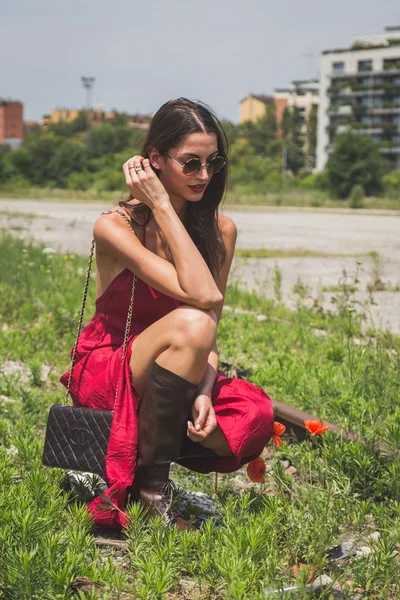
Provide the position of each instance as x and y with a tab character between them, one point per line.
189	279
229	233
114	238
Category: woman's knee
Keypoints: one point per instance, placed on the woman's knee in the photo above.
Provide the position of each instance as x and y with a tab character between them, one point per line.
195	327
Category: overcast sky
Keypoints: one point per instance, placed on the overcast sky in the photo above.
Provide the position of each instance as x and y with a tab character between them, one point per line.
145	53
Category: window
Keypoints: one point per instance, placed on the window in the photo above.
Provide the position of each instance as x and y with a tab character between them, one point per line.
367	101
365	65
396	80
396	119
338	66
376	138
366	80
396	138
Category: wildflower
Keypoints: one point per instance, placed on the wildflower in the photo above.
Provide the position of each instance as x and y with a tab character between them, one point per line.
279	429
256	470
316	426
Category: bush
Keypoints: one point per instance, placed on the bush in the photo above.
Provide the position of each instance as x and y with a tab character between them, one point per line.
309	182
355	160
391	181
357	197
80	181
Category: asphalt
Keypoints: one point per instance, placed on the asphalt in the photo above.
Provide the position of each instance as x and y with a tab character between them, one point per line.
344	238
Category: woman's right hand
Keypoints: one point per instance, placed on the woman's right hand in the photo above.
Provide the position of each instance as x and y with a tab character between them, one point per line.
144	183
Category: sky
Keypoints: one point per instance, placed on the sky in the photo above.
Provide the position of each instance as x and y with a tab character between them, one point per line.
145	53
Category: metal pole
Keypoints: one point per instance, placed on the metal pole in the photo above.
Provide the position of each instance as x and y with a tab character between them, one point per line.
88	83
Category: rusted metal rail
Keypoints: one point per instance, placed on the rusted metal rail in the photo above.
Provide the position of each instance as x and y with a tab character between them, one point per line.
293	419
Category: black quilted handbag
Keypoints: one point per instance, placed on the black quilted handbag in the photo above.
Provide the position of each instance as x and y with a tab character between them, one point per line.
77	437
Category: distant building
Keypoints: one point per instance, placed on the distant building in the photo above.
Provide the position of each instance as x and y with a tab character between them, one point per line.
360	89
11	122
139	121
254	106
59	115
29	125
302	95
97	117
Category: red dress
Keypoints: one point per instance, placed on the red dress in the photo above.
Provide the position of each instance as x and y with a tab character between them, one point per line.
243	411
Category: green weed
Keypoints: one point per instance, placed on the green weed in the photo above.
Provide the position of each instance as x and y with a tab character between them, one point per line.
339	491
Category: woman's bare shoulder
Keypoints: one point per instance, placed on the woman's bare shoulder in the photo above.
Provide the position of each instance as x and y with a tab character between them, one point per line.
112	221
228	227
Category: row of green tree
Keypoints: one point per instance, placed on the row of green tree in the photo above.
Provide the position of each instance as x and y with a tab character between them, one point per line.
262	159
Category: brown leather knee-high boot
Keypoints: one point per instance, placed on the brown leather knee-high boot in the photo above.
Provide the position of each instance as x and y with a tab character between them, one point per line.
163	414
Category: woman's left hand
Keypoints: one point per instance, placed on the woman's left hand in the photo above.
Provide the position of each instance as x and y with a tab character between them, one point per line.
204	419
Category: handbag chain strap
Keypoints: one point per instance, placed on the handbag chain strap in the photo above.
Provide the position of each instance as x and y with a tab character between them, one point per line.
83	304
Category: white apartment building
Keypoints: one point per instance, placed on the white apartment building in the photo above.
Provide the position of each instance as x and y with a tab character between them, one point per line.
300	94
360	89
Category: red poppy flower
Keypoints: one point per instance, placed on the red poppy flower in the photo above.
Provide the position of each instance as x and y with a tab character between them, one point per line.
279	429
316	426
256	470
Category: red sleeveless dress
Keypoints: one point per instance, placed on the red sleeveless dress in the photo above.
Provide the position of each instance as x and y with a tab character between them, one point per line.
243	411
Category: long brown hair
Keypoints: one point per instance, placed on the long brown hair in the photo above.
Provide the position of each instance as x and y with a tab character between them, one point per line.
172	122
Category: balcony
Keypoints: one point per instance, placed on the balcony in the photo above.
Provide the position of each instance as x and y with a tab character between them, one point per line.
358	74
374	130
390	149
383	110
346	92
340	110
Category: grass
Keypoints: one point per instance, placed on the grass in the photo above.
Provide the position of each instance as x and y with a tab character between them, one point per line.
235	198
295	253
340	491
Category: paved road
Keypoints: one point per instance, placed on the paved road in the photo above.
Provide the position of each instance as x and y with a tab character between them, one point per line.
67	227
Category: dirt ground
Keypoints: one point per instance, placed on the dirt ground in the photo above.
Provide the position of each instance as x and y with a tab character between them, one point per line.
341	237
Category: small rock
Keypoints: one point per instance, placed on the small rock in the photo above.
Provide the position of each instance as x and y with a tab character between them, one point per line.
84	585
285	464
266	454
375	536
242	311
291	471
4	327
341	551
12	451
363	551
241	484
320	332
336	586
323	580
11	367
261	317
6	400
187	584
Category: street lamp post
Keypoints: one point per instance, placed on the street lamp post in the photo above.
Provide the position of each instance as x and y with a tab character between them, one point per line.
88	83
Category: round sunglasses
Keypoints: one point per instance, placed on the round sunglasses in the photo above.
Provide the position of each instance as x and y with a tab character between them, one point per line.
193	165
